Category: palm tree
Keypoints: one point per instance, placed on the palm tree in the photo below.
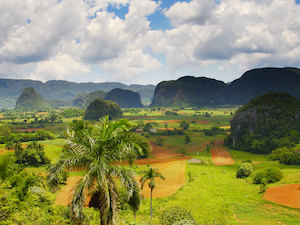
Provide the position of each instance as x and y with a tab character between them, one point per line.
98	148
150	174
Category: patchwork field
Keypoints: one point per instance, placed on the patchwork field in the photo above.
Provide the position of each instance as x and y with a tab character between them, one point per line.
209	190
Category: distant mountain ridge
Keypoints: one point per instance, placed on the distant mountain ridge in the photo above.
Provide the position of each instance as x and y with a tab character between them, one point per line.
124	98
10	89
202	91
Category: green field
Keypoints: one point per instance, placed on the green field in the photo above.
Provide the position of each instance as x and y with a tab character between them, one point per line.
212	194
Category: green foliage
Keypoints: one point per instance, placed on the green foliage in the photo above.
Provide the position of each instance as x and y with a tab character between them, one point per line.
159	141
31	100
287	156
32	155
25	137
99	108
187	139
8	201
214	131
270	174
97	148
244	170
170	113
8	166
176	215
184	125
72	112
124	98
265	123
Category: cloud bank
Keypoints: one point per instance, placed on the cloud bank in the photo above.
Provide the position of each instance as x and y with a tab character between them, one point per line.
65	39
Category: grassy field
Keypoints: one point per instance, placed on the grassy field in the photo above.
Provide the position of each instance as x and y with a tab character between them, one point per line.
211	193
214	196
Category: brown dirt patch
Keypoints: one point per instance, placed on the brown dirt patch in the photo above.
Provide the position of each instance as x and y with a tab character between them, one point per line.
64	196
174	173
192	149
202	122
41	113
27	129
221	157
287	195
219	142
4	150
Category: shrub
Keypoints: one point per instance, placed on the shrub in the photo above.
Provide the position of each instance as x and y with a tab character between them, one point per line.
176	215
187	139
270	174
287	156
247	161
244	170
159	141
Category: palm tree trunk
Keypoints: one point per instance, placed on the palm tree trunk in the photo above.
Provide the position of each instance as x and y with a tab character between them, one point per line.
151	204
134	214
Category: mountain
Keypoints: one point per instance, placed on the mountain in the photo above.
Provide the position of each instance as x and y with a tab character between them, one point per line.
261	81
29	99
190	91
10	89
83	100
99	108
265	123
124	98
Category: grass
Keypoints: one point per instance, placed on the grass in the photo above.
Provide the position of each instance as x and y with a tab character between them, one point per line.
214	195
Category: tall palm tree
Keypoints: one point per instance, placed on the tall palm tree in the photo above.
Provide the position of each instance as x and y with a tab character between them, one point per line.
150	174
97	148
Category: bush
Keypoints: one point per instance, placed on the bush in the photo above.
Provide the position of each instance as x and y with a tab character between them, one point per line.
244	170
287	156
159	141
270	174
176	215
247	161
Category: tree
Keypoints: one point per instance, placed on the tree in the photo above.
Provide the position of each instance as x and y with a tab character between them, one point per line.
187	139
150	174
135	201
184	125
98	149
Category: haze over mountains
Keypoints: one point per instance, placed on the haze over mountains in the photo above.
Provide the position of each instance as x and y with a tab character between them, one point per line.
186	91
10	89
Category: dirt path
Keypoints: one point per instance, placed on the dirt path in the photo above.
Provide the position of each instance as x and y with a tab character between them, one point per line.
221	157
287	195
64	196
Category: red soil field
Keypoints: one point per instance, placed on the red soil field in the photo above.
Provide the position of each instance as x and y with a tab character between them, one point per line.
171	164
220	155
27	129
287	195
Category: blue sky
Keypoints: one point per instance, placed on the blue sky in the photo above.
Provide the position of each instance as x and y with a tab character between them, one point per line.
134	41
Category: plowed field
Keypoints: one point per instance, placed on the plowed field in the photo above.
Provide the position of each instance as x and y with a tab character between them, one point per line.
287	195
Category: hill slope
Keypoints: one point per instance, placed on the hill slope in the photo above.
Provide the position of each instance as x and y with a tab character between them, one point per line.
261	81
124	98
190	91
30	100
265	123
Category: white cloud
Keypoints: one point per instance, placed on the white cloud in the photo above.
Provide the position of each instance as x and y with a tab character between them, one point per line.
63	66
130	64
58	40
250	33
